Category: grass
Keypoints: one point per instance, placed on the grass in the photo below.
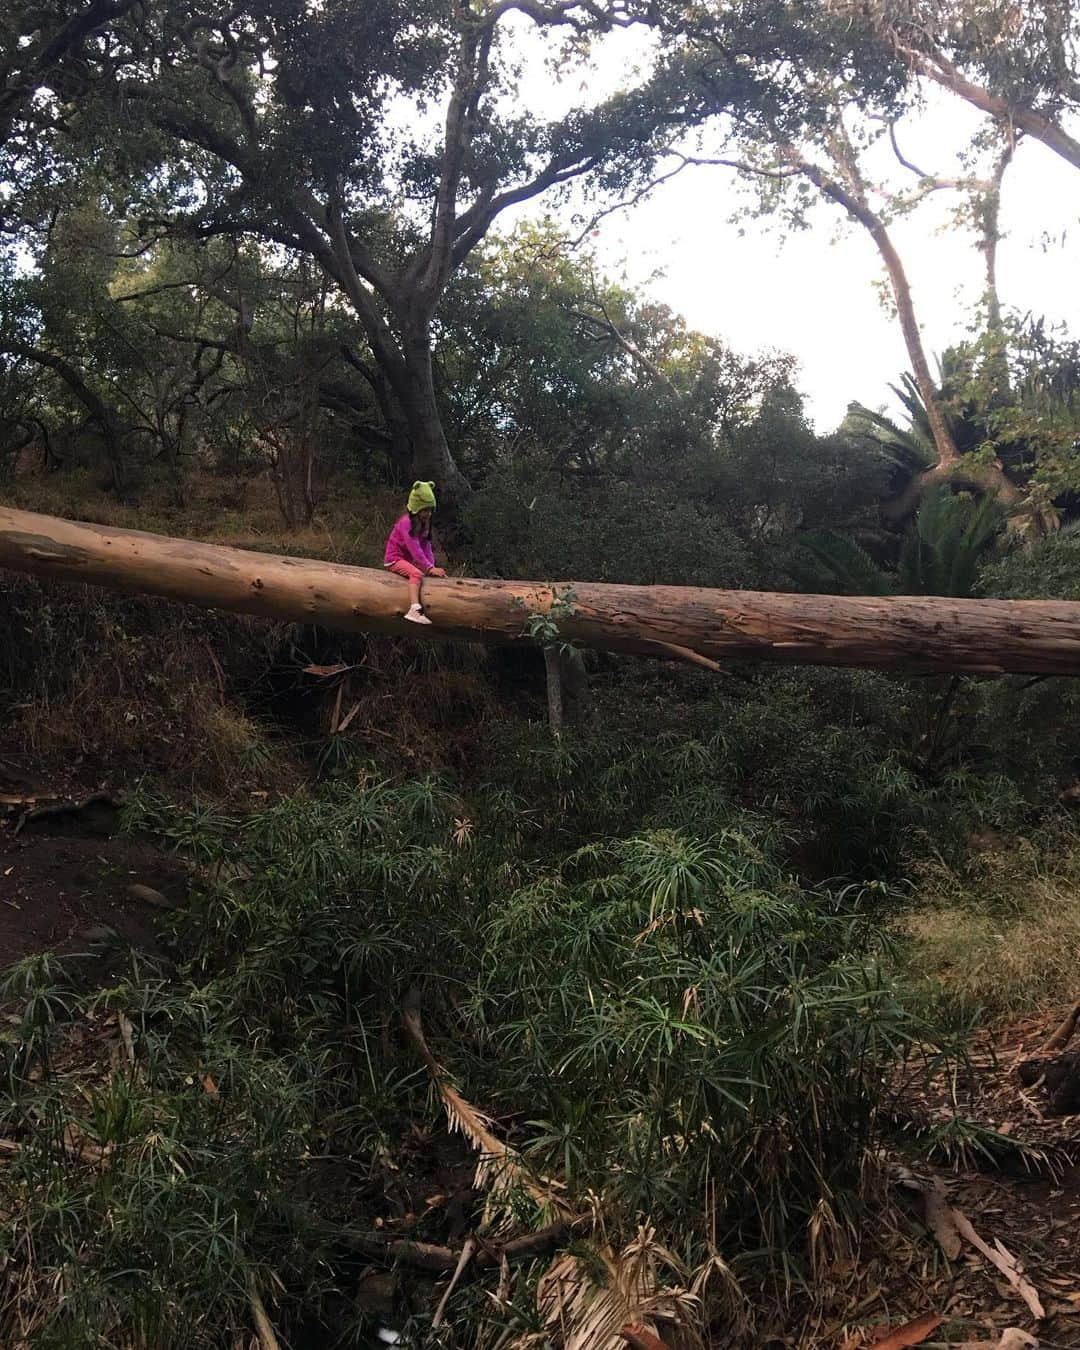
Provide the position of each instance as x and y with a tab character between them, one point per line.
1003	932
133	685
350	525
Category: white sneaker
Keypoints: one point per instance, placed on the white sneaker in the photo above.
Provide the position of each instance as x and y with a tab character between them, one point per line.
416	615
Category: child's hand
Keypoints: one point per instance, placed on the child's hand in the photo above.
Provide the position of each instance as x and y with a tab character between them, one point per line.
436	572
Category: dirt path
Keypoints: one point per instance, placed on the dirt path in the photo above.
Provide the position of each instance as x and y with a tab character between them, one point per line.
65	887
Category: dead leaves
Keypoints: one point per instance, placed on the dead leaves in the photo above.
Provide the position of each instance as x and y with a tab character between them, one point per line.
911	1333
618	1299
1012	1338
950	1225
499	1170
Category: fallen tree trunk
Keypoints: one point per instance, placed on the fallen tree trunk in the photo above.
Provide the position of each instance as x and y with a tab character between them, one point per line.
915	634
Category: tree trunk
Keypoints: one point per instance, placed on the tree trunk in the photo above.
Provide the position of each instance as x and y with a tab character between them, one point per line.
851	198
989	478
908	633
399	455
988	214
431	457
293	470
553	671
909	325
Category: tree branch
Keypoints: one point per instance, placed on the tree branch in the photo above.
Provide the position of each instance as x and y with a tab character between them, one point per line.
471	227
936	66
97	408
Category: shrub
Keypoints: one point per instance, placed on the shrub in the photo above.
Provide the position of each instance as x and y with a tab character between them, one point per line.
683	1032
527	523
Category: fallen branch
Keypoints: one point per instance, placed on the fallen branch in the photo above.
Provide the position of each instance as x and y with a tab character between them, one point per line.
74	1143
1064	1034
263	1326
941	1218
430	1256
1002	1259
949	1225
467	1252
691	657
919	634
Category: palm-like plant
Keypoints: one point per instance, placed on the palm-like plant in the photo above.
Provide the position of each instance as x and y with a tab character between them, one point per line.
947	543
909	450
941	555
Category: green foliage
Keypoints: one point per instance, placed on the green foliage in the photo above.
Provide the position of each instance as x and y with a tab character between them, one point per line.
941	554
543	626
943	551
711	1012
528	523
689	1033
1049	569
835	563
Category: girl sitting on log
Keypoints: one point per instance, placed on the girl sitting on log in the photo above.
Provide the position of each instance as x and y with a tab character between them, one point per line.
409	553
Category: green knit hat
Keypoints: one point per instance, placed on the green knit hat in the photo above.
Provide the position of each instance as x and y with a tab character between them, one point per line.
421	498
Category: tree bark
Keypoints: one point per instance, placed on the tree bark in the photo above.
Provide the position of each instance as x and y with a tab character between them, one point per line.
431	457
908	633
988	214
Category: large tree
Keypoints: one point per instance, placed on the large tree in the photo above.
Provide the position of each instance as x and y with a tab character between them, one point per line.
844	91
42	43
384	141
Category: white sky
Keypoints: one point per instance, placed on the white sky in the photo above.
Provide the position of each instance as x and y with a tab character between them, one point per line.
815	294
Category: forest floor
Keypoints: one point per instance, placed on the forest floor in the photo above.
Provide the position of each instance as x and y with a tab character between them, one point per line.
1022	1202
65	872
64	887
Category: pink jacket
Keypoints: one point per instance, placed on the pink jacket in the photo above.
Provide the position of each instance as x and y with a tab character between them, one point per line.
403	546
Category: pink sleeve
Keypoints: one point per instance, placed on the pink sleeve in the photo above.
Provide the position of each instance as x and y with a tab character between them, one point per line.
403	544
416	550
397	544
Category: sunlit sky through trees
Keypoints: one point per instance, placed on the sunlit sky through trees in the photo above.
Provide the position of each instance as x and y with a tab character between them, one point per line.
818	292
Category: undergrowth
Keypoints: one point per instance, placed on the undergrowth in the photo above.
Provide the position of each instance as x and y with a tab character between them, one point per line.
131	685
662	952
668	1028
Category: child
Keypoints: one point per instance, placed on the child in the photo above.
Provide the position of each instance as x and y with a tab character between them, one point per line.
408	550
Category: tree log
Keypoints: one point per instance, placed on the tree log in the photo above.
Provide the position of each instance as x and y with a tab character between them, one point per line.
907	633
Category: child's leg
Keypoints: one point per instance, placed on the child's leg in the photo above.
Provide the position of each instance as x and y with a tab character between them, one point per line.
414	577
